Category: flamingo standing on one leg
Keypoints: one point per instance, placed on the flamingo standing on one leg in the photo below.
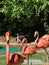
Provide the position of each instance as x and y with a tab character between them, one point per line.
27	50
42	42
12	58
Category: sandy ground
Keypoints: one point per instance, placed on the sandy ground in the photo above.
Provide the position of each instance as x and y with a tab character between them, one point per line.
12	41
45	63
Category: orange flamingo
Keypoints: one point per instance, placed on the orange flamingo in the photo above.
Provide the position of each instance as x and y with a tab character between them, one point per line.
42	42
12	58
28	50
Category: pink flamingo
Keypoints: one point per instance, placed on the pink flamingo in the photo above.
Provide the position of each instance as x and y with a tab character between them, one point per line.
28	50
42	42
12	58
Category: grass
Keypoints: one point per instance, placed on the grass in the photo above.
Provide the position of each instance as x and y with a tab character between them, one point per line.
40	56
2	61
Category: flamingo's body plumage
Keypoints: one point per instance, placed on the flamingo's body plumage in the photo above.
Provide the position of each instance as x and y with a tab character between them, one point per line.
46	36
28	50
42	43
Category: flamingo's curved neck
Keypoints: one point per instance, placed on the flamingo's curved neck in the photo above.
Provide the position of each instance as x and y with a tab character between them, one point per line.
24	48
7	51
37	37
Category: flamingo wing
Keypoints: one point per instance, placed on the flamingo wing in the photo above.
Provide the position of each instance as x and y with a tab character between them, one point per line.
29	50
14	57
46	36
42	43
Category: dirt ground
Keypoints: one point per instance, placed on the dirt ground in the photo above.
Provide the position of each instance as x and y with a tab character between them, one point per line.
45	63
3	39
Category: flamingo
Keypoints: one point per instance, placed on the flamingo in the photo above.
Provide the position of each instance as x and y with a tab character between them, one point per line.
28	50
42	42
12	58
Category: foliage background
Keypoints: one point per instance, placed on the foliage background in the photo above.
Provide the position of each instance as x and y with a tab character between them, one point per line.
24	17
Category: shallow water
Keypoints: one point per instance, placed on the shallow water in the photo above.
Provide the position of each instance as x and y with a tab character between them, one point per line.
12	49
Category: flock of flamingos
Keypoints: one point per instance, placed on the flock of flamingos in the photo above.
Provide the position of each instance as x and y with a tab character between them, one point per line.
17	59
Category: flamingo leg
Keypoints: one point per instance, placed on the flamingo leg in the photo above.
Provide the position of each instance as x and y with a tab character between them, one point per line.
31	60
46	55
46	51
28	59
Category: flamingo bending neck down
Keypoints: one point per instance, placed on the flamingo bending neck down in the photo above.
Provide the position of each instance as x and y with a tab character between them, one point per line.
12	58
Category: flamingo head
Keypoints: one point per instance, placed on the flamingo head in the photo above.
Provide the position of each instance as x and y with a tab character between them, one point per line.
36	33
7	36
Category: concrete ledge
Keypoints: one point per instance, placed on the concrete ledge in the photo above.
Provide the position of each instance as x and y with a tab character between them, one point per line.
33	62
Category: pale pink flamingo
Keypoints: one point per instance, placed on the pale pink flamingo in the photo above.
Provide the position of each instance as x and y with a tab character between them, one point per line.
42	42
12	58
